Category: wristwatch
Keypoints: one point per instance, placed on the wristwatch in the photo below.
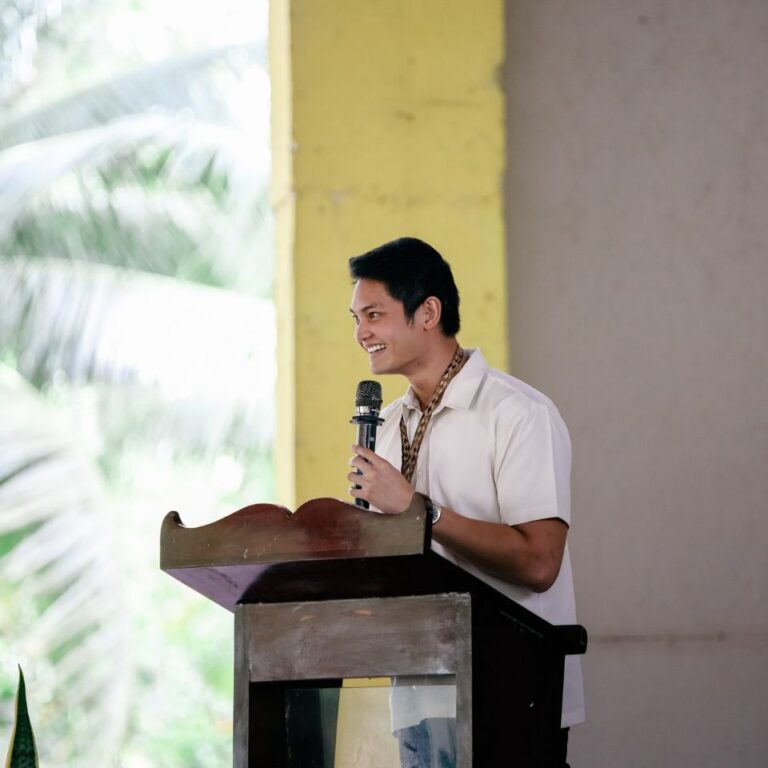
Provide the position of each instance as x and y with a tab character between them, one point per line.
435	510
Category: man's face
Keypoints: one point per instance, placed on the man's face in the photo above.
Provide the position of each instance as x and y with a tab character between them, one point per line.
393	344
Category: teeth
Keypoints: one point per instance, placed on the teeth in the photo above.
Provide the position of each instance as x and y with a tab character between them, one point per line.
375	348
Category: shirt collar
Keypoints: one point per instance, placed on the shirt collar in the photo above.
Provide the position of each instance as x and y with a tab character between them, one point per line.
462	388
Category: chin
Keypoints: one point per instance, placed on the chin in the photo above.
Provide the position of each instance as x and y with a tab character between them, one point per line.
378	367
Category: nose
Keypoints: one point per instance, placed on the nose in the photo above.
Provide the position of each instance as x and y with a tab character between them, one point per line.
361	331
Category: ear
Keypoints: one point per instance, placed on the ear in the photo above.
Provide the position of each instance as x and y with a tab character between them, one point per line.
432	310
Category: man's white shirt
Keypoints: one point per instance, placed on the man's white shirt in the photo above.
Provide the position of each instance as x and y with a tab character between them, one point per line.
495	450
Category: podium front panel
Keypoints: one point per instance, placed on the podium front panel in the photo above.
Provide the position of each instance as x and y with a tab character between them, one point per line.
305	671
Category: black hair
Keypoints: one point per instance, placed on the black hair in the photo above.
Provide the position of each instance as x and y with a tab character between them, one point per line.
412	271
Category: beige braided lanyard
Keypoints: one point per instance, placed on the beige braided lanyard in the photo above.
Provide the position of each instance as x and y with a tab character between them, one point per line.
410	451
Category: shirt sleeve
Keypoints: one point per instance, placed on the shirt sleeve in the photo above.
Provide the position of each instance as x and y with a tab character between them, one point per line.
532	468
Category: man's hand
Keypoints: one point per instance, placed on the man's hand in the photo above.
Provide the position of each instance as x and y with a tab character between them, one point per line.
380	484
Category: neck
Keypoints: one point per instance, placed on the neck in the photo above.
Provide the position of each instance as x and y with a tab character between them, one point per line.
424	381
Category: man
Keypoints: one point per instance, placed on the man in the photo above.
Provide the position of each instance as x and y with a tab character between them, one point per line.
490	454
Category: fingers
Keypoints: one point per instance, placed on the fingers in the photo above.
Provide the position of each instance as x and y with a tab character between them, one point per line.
366	454
360	485
358	461
377	481
357	478
356	490
365	459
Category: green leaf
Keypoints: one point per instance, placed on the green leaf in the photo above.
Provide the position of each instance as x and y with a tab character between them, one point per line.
63	611
22	752
181	84
195	150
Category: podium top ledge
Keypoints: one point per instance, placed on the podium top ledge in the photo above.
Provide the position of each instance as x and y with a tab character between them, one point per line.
320	529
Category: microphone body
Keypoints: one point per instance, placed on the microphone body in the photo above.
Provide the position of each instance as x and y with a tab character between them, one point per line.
366	430
368	402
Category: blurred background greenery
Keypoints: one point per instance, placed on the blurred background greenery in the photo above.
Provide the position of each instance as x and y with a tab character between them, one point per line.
136	361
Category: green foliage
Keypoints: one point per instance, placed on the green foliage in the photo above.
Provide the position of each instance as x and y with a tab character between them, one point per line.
136	363
22	752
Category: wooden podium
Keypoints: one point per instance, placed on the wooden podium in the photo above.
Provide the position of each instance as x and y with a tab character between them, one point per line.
334	598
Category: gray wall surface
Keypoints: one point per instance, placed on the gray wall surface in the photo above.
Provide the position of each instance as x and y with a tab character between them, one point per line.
637	205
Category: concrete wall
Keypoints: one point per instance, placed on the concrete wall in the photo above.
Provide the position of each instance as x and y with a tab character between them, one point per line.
637	198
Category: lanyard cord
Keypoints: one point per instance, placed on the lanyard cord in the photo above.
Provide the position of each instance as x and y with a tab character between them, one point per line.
410	451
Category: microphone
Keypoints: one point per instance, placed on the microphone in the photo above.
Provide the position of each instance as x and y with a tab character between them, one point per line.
368	402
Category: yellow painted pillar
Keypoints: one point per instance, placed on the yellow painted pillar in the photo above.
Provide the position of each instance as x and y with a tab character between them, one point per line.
388	120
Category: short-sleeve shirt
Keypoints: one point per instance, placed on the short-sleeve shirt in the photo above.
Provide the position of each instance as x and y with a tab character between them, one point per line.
497	450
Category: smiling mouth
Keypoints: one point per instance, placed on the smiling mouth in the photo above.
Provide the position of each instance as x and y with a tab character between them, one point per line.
375	348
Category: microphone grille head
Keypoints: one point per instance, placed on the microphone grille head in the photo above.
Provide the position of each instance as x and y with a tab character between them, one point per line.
368	394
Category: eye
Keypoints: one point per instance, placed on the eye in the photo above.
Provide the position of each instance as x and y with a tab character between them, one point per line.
373	315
